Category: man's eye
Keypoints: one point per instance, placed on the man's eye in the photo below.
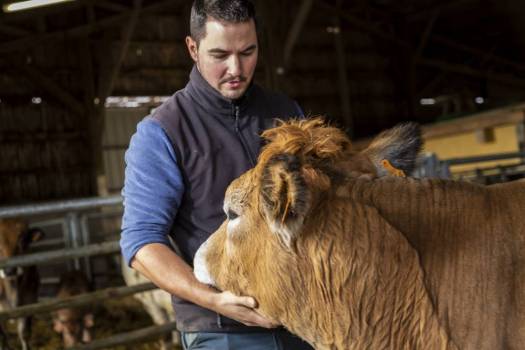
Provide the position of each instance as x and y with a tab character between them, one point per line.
247	53
219	57
232	215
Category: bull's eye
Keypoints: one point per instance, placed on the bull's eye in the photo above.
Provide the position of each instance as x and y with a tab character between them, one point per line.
232	215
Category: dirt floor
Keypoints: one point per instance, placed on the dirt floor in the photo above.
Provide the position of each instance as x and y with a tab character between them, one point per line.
113	317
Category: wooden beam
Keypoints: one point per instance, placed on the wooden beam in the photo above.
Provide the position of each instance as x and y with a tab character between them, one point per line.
478	52
82	30
14	31
344	86
426	34
106	85
514	114
295	30
112	6
364	25
466	70
488	119
50	86
440	7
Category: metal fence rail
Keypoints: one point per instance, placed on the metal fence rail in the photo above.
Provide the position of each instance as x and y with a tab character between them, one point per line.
128	338
60	255
59	206
76	237
75	301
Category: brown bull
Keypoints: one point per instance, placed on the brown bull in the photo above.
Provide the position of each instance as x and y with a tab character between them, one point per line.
19	285
383	263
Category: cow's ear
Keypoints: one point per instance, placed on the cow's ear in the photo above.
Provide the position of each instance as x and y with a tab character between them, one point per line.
29	236
35	234
396	149
284	197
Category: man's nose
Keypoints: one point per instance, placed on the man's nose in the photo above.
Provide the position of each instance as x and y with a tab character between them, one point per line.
234	66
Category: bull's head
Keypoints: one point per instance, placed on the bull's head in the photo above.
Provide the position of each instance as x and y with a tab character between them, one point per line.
277	222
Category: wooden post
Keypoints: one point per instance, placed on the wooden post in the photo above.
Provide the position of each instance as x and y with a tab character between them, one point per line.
344	86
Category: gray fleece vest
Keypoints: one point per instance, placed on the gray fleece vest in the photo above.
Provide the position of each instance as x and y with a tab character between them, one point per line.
215	141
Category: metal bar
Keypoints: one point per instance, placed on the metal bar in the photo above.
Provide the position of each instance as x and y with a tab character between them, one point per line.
60	255
73	229
85	236
128	338
55	207
488	158
75	301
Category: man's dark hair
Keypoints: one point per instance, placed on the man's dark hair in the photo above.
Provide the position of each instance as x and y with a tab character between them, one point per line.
232	11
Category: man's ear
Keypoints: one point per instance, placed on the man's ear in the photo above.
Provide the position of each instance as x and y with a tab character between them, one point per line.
193	48
285	198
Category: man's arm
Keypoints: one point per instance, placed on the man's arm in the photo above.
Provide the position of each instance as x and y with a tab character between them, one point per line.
152	191
168	271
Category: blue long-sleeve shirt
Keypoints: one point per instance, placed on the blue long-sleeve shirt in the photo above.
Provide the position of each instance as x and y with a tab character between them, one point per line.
149	210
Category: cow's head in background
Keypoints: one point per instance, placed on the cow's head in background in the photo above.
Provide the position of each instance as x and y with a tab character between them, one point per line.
18	285
15	239
275	223
73	323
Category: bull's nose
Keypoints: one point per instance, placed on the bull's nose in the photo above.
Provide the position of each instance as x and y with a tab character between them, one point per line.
200	268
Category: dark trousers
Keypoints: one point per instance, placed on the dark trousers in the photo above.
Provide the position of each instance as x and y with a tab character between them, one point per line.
276	340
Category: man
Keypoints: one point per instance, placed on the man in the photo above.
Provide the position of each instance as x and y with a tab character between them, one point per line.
179	163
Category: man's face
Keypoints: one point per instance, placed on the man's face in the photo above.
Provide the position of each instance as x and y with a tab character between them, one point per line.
226	56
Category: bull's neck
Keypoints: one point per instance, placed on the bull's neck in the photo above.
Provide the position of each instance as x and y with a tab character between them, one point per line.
413	206
349	297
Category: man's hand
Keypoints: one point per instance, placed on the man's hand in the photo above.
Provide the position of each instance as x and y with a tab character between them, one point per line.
241	309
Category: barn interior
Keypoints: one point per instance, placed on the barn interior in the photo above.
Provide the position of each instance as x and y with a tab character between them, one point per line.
77	76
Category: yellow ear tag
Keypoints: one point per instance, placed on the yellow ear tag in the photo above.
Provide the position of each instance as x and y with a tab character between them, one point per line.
391	169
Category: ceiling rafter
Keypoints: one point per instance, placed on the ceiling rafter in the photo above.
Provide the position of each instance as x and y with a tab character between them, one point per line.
363	24
440	7
82	30
295	30
109	81
49	86
14	30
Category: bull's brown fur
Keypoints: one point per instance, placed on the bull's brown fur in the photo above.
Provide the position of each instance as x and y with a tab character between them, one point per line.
388	263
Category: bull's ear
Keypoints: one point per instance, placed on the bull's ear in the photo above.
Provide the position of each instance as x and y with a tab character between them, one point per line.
284	197
396	149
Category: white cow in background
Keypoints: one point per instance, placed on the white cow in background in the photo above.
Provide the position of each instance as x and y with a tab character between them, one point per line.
157	303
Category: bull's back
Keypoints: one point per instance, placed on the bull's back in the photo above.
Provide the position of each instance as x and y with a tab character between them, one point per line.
509	199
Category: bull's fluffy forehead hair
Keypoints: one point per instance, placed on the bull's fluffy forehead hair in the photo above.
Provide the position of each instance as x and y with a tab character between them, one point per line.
305	138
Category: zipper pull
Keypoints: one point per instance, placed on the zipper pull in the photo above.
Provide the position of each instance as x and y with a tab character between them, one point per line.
236	113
